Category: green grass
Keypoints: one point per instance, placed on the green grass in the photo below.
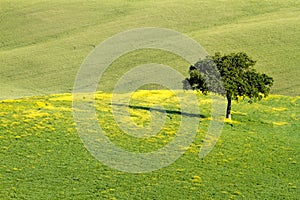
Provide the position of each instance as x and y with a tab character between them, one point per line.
42	156
43	43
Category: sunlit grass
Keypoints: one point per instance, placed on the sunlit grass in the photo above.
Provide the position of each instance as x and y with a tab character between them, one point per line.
44	43
256	157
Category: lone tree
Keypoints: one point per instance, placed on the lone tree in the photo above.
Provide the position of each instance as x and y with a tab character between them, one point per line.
232	76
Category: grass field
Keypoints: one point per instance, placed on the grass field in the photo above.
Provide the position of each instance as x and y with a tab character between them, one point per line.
257	156
42	45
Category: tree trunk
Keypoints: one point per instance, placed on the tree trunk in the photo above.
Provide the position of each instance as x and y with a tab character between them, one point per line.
228	111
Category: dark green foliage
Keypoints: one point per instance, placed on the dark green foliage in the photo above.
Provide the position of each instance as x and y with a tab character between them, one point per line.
230	75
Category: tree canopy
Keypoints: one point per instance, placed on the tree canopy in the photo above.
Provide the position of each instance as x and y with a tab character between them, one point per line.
232	76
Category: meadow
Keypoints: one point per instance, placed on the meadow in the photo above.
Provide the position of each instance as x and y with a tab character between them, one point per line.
256	157
42	45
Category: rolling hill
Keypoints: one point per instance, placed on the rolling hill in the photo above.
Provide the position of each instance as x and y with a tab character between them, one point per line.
43	43
42	46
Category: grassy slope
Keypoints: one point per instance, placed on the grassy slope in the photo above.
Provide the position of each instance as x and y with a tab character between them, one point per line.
257	156
43	43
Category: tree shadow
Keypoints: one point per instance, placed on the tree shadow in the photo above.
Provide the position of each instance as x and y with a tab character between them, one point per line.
174	112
